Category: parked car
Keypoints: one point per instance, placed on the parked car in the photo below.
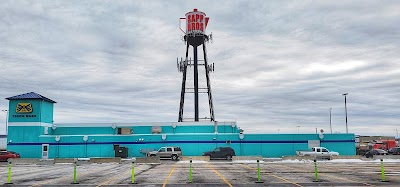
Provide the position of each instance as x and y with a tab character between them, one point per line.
6	155
221	152
394	151
373	152
167	152
318	152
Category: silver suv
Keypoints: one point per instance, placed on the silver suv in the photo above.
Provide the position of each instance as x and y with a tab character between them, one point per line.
167	152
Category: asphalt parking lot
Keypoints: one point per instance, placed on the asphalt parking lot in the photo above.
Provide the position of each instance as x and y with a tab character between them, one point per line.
214	173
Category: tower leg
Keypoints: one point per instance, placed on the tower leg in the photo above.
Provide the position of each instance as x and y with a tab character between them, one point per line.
180	119
210	100
196	85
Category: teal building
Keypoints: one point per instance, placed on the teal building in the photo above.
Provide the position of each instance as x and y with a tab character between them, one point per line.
32	133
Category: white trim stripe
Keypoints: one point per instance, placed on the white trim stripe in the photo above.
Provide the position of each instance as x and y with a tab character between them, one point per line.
29	124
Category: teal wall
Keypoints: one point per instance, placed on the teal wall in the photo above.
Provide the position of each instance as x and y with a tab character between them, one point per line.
47	112
83	130
24	133
36	108
267	145
42	110
27	139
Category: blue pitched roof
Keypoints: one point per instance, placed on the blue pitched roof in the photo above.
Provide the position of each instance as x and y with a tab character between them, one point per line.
30	95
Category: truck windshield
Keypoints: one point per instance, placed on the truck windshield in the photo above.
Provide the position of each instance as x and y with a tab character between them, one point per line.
325	150
162	149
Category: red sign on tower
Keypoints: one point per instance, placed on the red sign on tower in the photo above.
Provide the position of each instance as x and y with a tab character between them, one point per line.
196	22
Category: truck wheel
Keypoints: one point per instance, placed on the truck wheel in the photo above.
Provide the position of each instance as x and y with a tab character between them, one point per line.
228	157
174	157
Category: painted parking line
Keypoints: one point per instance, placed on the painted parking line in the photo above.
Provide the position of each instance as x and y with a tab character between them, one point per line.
69	176
331	176
280	178
169	175
222	177
115	177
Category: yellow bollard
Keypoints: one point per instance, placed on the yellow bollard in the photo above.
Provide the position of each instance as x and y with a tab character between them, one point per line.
383	172
258	173
75	173
133	171
9	173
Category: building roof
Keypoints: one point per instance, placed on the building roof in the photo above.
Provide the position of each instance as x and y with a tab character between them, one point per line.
30	95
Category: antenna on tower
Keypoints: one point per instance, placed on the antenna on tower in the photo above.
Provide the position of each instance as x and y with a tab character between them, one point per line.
210	67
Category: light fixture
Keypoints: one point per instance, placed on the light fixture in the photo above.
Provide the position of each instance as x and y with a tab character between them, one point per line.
54	127
57	138
321	134
114	126
85	138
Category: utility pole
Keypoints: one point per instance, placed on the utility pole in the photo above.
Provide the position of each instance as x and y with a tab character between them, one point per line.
330	119
345	107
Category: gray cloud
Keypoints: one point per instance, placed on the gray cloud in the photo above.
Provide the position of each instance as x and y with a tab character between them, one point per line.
279	64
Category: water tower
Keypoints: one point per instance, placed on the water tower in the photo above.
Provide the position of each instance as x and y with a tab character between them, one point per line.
194	35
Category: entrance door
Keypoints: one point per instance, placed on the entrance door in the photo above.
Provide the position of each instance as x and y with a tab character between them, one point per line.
45	151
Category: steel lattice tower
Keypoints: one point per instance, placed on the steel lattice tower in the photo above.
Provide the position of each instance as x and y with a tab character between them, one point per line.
195	36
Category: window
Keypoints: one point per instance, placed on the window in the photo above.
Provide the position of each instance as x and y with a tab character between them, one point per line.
44	148
162	149
169	149
216	149
125	131
177	149
325	150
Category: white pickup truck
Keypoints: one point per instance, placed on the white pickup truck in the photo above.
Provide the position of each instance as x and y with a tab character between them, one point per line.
318	152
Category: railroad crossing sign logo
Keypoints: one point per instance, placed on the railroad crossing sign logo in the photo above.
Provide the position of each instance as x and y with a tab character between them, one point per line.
24	108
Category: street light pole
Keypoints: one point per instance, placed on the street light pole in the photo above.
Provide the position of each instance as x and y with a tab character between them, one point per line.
6	111
330	119
345	107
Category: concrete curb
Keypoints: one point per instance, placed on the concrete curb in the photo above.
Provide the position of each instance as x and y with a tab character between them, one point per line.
148	160
236	158
25	160
198	158
105	160
347	157
386	157
64	160
297	158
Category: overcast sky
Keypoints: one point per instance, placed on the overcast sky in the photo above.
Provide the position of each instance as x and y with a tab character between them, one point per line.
278	64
